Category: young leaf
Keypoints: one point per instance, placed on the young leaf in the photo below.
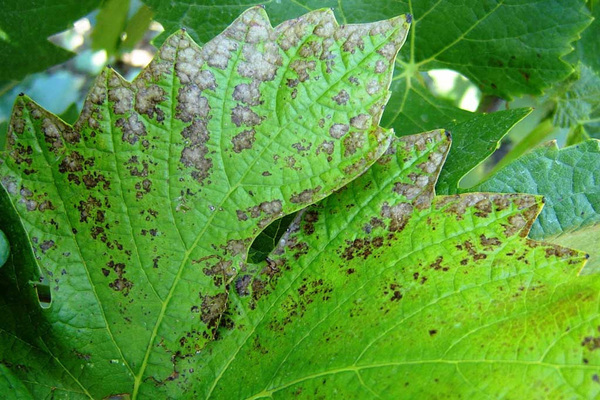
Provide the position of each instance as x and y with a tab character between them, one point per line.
142	213
568	179
382	291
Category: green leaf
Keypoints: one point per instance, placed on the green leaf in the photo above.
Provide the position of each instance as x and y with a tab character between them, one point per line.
269	238
142	213
24	31
137	27
110	25
475	140
4	248
382	291
568	179
412	109
579	104
587	49
481	39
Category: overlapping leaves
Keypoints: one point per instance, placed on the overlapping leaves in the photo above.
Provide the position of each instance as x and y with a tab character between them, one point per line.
142	213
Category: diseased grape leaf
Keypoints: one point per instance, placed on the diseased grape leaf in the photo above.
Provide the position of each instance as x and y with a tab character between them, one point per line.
142	212
383	291
480	39
412	109
24	30
569	180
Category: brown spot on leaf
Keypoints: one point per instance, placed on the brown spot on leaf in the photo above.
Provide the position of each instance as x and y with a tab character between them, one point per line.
243	115
306	196
338	130
147	100
243	140
212	308
341	98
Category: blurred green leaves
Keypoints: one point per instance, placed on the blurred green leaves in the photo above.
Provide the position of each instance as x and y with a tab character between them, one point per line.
25	27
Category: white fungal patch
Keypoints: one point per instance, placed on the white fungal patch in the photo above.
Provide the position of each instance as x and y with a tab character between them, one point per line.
191	104
380	67
217	52
132	128
326	27
147	99
352	36
353	142
247	93
242	115
261	66
373	87
361	121
326	147
36	114
205	80
338	130
122	97
342	97
52	134
389	51
301	67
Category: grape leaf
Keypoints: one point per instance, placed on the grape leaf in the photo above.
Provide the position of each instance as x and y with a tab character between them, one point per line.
578	106
412	109
587	49
383	291
568	179
142	212
24	30
481	39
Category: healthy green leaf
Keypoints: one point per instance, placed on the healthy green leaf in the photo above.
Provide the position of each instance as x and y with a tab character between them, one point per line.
142	212
269	238
110	24
587	49
137	27
4	248
382	291
579	104
568	179
413	109
24	30
482	40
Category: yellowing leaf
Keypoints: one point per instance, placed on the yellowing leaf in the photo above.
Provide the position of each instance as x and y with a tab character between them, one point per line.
142	212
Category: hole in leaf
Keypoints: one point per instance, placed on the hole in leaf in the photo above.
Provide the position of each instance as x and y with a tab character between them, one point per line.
266	241
42	290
